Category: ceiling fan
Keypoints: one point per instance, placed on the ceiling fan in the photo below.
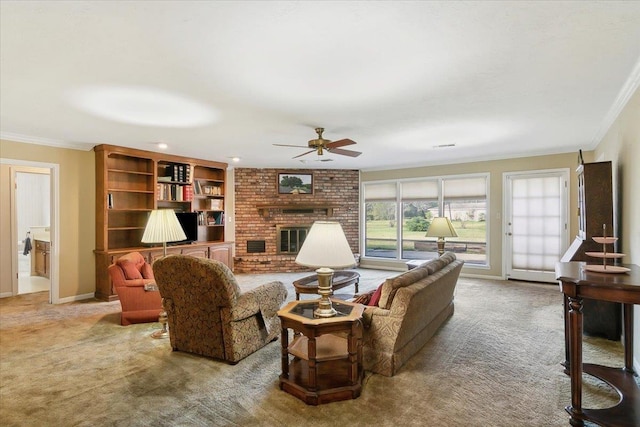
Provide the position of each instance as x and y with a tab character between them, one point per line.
320	144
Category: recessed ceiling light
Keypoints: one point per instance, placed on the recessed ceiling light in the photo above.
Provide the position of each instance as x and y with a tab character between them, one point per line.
444	145
141	105
162	146
235	159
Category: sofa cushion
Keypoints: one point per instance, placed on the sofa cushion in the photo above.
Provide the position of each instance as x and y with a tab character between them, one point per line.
131	264
448	257
439	263
390	286
434	265
130	269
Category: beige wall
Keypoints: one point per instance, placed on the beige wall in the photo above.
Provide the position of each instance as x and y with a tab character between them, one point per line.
7	246
621	145
77	214
496	169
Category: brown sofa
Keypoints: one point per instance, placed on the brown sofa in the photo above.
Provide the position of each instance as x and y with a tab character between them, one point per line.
411	308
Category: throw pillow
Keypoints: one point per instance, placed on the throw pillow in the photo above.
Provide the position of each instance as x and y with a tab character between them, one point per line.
364	298
130	270
375	298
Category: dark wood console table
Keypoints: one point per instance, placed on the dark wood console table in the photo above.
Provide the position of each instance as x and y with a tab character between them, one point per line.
577	284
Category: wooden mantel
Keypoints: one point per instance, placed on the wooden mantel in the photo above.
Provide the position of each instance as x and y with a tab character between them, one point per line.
297	207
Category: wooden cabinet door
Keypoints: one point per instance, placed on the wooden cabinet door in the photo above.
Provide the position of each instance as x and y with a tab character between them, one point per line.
198	252
40	266
222	253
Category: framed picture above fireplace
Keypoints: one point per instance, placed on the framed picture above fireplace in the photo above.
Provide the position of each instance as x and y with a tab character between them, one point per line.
295	183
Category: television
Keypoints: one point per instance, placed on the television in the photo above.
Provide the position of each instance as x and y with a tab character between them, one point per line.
189	223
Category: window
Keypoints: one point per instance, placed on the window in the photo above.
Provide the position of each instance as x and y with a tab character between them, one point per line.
416	202
381	227
419	207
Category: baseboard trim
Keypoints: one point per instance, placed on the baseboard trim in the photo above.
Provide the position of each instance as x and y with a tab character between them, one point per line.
6	294
481	276
76	298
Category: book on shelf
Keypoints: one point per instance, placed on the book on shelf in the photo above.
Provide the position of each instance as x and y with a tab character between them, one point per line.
187	193
174	192
211	190
211	220
216	204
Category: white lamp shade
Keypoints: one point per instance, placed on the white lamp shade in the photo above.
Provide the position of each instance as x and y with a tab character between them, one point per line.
441	227
163	226
326	246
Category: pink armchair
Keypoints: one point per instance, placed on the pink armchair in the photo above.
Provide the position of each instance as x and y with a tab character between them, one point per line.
129	275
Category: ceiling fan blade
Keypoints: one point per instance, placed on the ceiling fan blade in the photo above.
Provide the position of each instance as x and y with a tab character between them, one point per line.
340	143
289	145
304	154
349	153
317	160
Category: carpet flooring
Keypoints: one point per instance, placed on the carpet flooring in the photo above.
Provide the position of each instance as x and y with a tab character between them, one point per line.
496	362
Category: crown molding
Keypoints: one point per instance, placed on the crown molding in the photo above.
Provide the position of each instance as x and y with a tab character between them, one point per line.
29	139
628	89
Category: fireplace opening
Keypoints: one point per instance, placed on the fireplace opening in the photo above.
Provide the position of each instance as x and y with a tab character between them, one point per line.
255	246
291	238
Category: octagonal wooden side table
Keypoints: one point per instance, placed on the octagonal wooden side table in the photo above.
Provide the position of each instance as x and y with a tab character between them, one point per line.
323	362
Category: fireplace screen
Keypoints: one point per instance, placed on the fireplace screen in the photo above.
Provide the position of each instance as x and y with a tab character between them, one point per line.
290	239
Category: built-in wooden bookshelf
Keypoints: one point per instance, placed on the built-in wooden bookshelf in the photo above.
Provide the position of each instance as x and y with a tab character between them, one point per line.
208	201
131	183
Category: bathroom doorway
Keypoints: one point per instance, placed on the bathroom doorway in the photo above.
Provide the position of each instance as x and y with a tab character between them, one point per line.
33	223
33	206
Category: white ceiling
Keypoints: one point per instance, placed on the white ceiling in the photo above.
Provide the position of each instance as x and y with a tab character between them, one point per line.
218	79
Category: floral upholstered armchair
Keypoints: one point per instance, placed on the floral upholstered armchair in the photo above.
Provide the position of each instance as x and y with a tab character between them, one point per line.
207	313
132	279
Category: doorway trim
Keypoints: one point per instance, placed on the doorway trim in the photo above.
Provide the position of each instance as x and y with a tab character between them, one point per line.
54	174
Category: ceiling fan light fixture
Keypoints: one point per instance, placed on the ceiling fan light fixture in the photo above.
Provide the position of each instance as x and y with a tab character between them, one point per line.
319	145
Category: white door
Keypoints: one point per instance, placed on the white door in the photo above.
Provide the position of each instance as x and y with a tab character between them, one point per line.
535	223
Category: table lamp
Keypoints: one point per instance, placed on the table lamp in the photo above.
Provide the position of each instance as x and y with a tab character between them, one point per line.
441	227
325	248
162	227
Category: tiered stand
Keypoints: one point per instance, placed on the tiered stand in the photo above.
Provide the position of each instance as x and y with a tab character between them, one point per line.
604	268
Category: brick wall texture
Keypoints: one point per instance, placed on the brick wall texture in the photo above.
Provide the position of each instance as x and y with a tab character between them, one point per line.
256	187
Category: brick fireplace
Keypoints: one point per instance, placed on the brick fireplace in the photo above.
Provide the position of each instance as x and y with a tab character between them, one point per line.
262	214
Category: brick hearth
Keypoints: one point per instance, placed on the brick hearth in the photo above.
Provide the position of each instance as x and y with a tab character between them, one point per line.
258	187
